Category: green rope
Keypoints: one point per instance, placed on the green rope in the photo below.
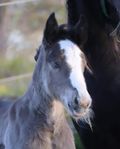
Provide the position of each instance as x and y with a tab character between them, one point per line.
104	9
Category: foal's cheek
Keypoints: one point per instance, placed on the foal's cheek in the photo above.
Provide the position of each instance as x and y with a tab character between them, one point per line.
56	83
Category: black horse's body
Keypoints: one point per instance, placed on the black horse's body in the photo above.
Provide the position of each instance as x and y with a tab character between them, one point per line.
103	53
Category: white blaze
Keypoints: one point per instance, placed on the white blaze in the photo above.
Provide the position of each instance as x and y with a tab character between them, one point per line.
74	60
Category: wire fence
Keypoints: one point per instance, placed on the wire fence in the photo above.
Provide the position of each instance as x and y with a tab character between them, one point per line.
14	78
22	76
17	2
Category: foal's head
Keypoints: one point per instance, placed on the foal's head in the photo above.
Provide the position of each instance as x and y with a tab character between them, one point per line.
60	69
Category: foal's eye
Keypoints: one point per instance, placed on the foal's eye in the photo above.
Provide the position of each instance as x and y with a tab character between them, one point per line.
56	65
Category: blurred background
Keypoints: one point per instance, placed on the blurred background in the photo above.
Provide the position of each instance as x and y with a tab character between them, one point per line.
21	28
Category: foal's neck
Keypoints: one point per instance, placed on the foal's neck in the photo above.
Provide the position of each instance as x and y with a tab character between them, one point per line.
50	110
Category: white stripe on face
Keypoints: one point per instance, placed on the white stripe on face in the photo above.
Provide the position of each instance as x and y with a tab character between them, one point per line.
74	60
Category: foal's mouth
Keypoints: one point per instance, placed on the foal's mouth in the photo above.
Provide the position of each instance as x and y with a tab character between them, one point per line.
81	113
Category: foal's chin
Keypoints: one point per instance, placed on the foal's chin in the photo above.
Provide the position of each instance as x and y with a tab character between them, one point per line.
84	115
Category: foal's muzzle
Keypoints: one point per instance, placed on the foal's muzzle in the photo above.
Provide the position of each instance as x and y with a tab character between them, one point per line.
80	105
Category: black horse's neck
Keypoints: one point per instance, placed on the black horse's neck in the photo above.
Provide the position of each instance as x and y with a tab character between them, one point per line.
103	52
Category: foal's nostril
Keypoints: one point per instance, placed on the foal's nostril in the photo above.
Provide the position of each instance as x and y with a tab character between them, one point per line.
76	101
76	105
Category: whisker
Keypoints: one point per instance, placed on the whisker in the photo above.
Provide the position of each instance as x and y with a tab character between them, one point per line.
87	118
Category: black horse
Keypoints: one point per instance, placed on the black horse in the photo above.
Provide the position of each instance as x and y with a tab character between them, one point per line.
103	52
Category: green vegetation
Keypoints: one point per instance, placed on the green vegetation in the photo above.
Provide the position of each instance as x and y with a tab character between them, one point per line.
16	88
14	67
78	143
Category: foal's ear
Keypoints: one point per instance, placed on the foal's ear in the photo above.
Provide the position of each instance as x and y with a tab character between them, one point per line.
80	30
50	28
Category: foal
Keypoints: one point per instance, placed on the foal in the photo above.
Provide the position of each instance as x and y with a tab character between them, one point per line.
37	119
